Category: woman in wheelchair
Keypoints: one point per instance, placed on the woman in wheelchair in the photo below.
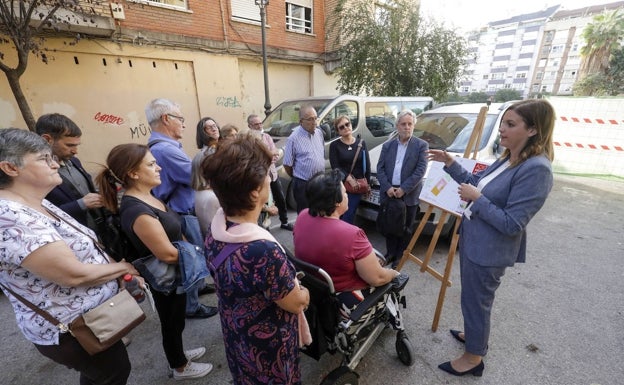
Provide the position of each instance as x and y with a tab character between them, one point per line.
339	248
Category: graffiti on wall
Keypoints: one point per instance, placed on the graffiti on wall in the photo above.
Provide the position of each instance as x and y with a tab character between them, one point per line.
108	119
140	131
228	101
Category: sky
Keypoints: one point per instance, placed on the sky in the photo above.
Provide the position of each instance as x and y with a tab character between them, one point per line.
466	15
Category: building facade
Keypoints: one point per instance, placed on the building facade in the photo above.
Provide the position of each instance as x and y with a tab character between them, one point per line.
534	53
204	54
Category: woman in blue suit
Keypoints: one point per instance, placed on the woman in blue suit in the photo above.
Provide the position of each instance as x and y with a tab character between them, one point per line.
400	170
504	198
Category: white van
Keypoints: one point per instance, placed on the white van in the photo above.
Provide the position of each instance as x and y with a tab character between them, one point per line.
372	118
449	128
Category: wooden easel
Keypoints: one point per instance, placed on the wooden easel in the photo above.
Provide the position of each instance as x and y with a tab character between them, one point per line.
473	145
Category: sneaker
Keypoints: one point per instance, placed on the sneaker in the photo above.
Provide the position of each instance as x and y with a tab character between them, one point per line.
194	354
287	226
203	311
126	340
192	370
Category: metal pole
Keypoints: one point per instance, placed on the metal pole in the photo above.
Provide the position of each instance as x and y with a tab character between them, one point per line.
267	103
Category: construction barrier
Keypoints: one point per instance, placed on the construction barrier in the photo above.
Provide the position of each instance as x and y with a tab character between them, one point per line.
589	136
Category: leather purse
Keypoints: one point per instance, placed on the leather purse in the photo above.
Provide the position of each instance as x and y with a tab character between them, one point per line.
161	276
353	185
101	327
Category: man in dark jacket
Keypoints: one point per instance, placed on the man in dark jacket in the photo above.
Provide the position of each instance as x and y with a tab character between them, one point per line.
76	195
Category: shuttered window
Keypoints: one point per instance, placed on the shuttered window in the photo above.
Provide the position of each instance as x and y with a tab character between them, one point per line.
245	9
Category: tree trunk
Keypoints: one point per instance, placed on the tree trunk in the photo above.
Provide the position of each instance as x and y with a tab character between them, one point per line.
14	82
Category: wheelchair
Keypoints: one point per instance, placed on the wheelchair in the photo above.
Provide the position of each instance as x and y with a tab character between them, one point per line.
353	336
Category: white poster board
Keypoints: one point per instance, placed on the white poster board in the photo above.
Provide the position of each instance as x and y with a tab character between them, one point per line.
440	189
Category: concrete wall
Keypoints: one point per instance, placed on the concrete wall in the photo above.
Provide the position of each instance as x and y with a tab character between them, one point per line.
104	87
589	136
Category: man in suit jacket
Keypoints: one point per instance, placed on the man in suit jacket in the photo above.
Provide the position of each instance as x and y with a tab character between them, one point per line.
400	169
76	195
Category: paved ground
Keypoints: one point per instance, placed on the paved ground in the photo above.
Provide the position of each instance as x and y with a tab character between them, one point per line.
558	319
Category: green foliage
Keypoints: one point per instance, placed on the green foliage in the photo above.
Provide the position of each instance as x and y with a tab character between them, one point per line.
389	50
477	97
602	37
505	95
610	83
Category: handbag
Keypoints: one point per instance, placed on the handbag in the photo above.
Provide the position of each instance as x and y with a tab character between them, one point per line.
391	217
353	185
101	327
159	275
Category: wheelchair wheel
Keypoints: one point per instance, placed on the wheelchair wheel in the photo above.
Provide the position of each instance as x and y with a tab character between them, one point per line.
341	376
404	349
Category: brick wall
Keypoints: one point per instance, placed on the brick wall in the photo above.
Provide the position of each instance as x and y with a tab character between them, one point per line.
208	18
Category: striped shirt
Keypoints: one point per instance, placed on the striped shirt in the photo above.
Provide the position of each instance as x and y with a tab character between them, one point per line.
305	153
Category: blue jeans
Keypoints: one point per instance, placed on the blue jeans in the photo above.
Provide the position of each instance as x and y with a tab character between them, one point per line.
192	233
354	201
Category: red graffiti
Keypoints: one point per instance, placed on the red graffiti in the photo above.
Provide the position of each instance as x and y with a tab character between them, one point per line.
108	119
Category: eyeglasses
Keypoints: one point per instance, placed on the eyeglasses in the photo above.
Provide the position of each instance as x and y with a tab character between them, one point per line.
342	127
211	126
180	118
311	118
50	159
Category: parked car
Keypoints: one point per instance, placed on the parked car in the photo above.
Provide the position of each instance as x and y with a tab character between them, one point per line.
372	119
447	127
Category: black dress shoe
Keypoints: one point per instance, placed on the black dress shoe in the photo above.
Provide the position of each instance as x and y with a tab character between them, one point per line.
286	226
209	288
455	334
477	371
203	311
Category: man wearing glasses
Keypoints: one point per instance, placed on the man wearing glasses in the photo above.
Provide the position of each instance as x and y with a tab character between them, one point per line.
304	154
167	124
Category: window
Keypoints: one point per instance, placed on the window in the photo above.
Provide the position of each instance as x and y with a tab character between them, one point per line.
172	3
521	75
245	10
486	76
299	16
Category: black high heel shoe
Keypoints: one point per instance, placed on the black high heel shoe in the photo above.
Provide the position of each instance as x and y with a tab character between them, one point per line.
455	334
477	371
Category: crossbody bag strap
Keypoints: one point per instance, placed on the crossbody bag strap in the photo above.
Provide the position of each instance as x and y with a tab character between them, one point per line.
226	251
48	317
357	152
97	243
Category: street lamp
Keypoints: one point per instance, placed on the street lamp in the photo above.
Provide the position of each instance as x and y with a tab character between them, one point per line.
267	103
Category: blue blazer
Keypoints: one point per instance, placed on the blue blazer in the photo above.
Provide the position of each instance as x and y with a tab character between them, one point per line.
412	171
65	196
495	235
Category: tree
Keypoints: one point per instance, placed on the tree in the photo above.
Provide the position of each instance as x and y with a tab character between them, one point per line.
603	38
610	83
22	23
477	97
389	50
505	95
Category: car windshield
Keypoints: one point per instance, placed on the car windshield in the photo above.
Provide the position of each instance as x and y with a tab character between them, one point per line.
451	131
283	119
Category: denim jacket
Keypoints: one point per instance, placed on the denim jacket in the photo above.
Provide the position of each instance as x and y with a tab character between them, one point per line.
192	263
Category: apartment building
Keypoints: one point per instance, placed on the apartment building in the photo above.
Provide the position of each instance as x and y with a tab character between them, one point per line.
559	58
533	53
204	54
503	54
